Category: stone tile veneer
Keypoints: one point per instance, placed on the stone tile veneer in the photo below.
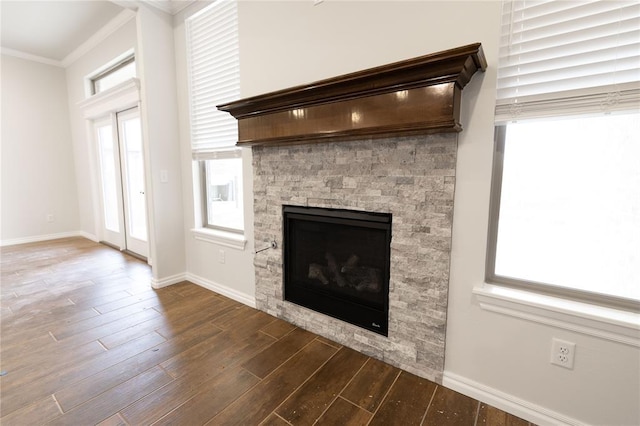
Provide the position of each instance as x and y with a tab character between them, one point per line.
413	178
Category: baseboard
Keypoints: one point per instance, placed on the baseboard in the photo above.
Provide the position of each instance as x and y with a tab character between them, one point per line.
89	236
167	281
47	237
208	284
505	402
223	290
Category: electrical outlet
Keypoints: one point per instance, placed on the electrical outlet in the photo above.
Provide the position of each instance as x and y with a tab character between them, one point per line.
562	353
221	256
50	218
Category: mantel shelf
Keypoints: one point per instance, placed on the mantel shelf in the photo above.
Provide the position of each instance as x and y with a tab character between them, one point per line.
419	95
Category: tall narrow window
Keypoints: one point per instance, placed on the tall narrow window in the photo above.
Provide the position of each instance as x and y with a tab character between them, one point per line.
214	78
565	214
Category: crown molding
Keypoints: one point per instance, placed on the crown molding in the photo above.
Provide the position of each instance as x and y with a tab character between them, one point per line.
30	57
171	7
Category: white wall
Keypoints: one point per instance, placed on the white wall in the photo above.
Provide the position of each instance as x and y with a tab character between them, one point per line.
110	48
37	157
496	357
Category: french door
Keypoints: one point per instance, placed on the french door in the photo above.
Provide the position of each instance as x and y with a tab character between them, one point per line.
121	170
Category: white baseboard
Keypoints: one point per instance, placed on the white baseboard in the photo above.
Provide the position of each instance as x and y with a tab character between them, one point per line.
88	236
208	284
46	237
506	402
223	290
167	281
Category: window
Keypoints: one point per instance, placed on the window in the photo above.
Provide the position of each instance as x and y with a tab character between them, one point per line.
114	75
565	215
214	78
222	190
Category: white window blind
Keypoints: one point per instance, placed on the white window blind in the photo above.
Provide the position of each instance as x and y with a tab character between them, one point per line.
568	57
214	78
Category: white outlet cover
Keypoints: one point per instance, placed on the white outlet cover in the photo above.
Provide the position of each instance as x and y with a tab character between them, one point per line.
563	353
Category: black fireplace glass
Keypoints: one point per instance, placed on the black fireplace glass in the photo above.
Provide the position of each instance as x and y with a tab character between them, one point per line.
337	262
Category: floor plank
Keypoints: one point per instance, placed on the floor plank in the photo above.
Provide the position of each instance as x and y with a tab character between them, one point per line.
278	328
369	387
451	408
112	326
491	416
33	366
274	420
79	392
306	404
101	408
257	404
406	402
115	420
212	397
270	359
344	413
20	396
37	413
190	377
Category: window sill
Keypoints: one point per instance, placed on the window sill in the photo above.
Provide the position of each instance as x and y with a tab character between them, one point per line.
605	323
222	238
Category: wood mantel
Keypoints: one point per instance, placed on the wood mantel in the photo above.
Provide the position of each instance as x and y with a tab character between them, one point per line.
420	95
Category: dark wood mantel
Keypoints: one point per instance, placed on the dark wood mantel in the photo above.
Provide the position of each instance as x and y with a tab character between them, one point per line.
420	95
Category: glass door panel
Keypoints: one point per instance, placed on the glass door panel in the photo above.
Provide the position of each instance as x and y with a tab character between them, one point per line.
110	183
135	179
130	136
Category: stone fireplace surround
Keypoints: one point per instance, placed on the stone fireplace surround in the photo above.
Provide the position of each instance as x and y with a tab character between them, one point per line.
410	177
406	169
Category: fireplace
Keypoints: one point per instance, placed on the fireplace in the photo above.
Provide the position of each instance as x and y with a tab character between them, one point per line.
336	262
382	140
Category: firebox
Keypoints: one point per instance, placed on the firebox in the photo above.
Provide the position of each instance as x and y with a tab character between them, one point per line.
336	262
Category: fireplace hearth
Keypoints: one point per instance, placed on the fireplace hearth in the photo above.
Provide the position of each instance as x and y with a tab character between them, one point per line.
336	262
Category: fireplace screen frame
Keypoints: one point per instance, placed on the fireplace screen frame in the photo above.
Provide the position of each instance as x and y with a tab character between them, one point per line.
365	314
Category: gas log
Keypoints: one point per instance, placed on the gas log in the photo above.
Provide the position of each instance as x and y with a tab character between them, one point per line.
347	274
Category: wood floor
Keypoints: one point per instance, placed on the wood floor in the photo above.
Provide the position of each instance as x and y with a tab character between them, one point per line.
85	341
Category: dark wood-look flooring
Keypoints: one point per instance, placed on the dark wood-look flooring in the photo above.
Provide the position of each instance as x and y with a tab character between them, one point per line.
85	341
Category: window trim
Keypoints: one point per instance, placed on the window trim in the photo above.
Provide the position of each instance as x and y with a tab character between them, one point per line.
491	277
202	172
605	323
219	237
110	70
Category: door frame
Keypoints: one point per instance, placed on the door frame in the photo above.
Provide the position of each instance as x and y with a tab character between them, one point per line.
124	96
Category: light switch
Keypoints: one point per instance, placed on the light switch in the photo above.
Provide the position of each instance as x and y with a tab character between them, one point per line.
164	176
